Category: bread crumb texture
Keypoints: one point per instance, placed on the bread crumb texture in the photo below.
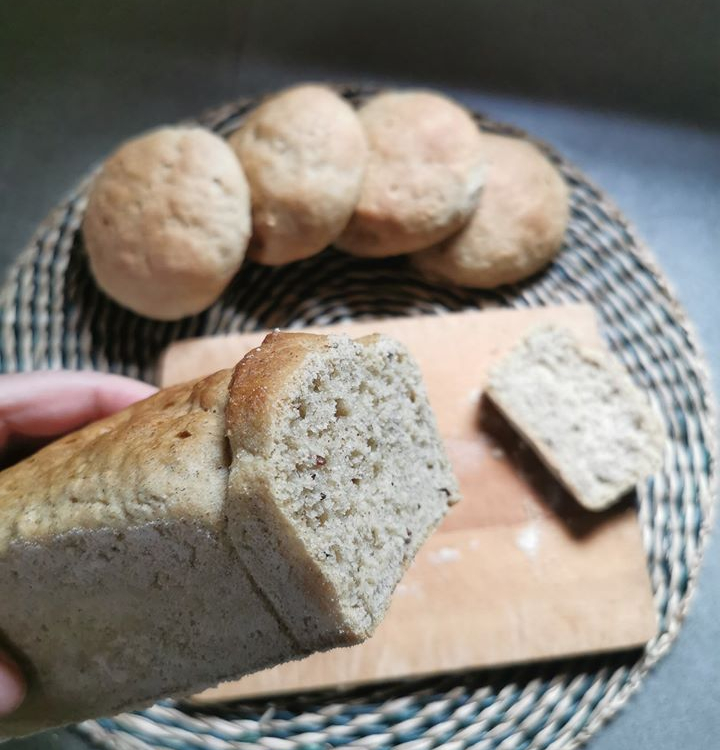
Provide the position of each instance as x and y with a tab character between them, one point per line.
581	412
354	464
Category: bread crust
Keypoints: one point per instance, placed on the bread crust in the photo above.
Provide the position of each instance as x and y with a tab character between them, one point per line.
304	153
257	381
168	222
84	480
424	174
518	226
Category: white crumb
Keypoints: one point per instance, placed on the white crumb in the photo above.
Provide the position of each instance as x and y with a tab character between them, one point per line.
444	555
497	453
474	544
528	539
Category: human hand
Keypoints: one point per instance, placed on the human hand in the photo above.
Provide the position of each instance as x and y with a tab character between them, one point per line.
36	407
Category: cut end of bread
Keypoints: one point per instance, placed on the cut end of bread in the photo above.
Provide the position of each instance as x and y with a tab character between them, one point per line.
582	414
357	475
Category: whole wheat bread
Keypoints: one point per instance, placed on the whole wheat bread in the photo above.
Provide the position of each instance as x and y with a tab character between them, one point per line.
218	527
582	414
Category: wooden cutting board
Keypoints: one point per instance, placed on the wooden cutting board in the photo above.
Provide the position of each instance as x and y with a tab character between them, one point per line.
518	571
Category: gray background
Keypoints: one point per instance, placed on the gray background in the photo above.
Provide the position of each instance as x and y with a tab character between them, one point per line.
629	90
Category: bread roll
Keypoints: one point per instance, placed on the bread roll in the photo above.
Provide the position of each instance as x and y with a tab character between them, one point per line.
581	413
218	527
518	226
423	178
304	154
168	222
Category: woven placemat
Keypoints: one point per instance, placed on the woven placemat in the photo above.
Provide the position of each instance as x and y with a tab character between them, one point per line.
52	315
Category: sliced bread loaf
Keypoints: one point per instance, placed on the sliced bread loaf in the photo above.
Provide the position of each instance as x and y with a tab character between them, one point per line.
218	527
581	412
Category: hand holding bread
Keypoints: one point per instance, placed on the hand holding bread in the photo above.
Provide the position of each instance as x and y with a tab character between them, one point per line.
218	527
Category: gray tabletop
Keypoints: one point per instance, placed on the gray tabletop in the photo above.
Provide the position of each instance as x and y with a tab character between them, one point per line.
641	94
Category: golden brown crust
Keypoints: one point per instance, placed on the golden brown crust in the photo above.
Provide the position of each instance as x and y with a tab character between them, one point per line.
257	381
163	457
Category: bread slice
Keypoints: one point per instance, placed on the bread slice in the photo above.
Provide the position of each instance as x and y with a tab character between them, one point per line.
581	413
218	527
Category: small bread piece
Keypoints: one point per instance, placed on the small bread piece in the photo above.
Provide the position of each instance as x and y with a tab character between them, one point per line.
581	413
168	222
304	153
518	226
218	527
424	174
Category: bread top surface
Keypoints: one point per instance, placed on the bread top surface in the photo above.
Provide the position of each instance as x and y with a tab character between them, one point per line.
304	153
168	221
519	223
164	458
424	174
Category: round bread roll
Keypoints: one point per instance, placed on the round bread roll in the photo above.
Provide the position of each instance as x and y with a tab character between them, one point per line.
518	226
168	222
304	153
423	177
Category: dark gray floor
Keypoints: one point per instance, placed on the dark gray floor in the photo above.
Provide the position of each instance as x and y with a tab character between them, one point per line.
74	80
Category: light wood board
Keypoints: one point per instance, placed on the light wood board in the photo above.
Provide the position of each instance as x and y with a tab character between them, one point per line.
518	571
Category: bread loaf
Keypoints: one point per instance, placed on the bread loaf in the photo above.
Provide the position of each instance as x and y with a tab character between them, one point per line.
168	222
304	154
218	527
518	226
423	178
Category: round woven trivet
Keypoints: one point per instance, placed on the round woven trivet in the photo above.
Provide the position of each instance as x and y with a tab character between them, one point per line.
52	315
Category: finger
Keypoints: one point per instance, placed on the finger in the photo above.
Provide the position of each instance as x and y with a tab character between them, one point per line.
12	686
48	404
